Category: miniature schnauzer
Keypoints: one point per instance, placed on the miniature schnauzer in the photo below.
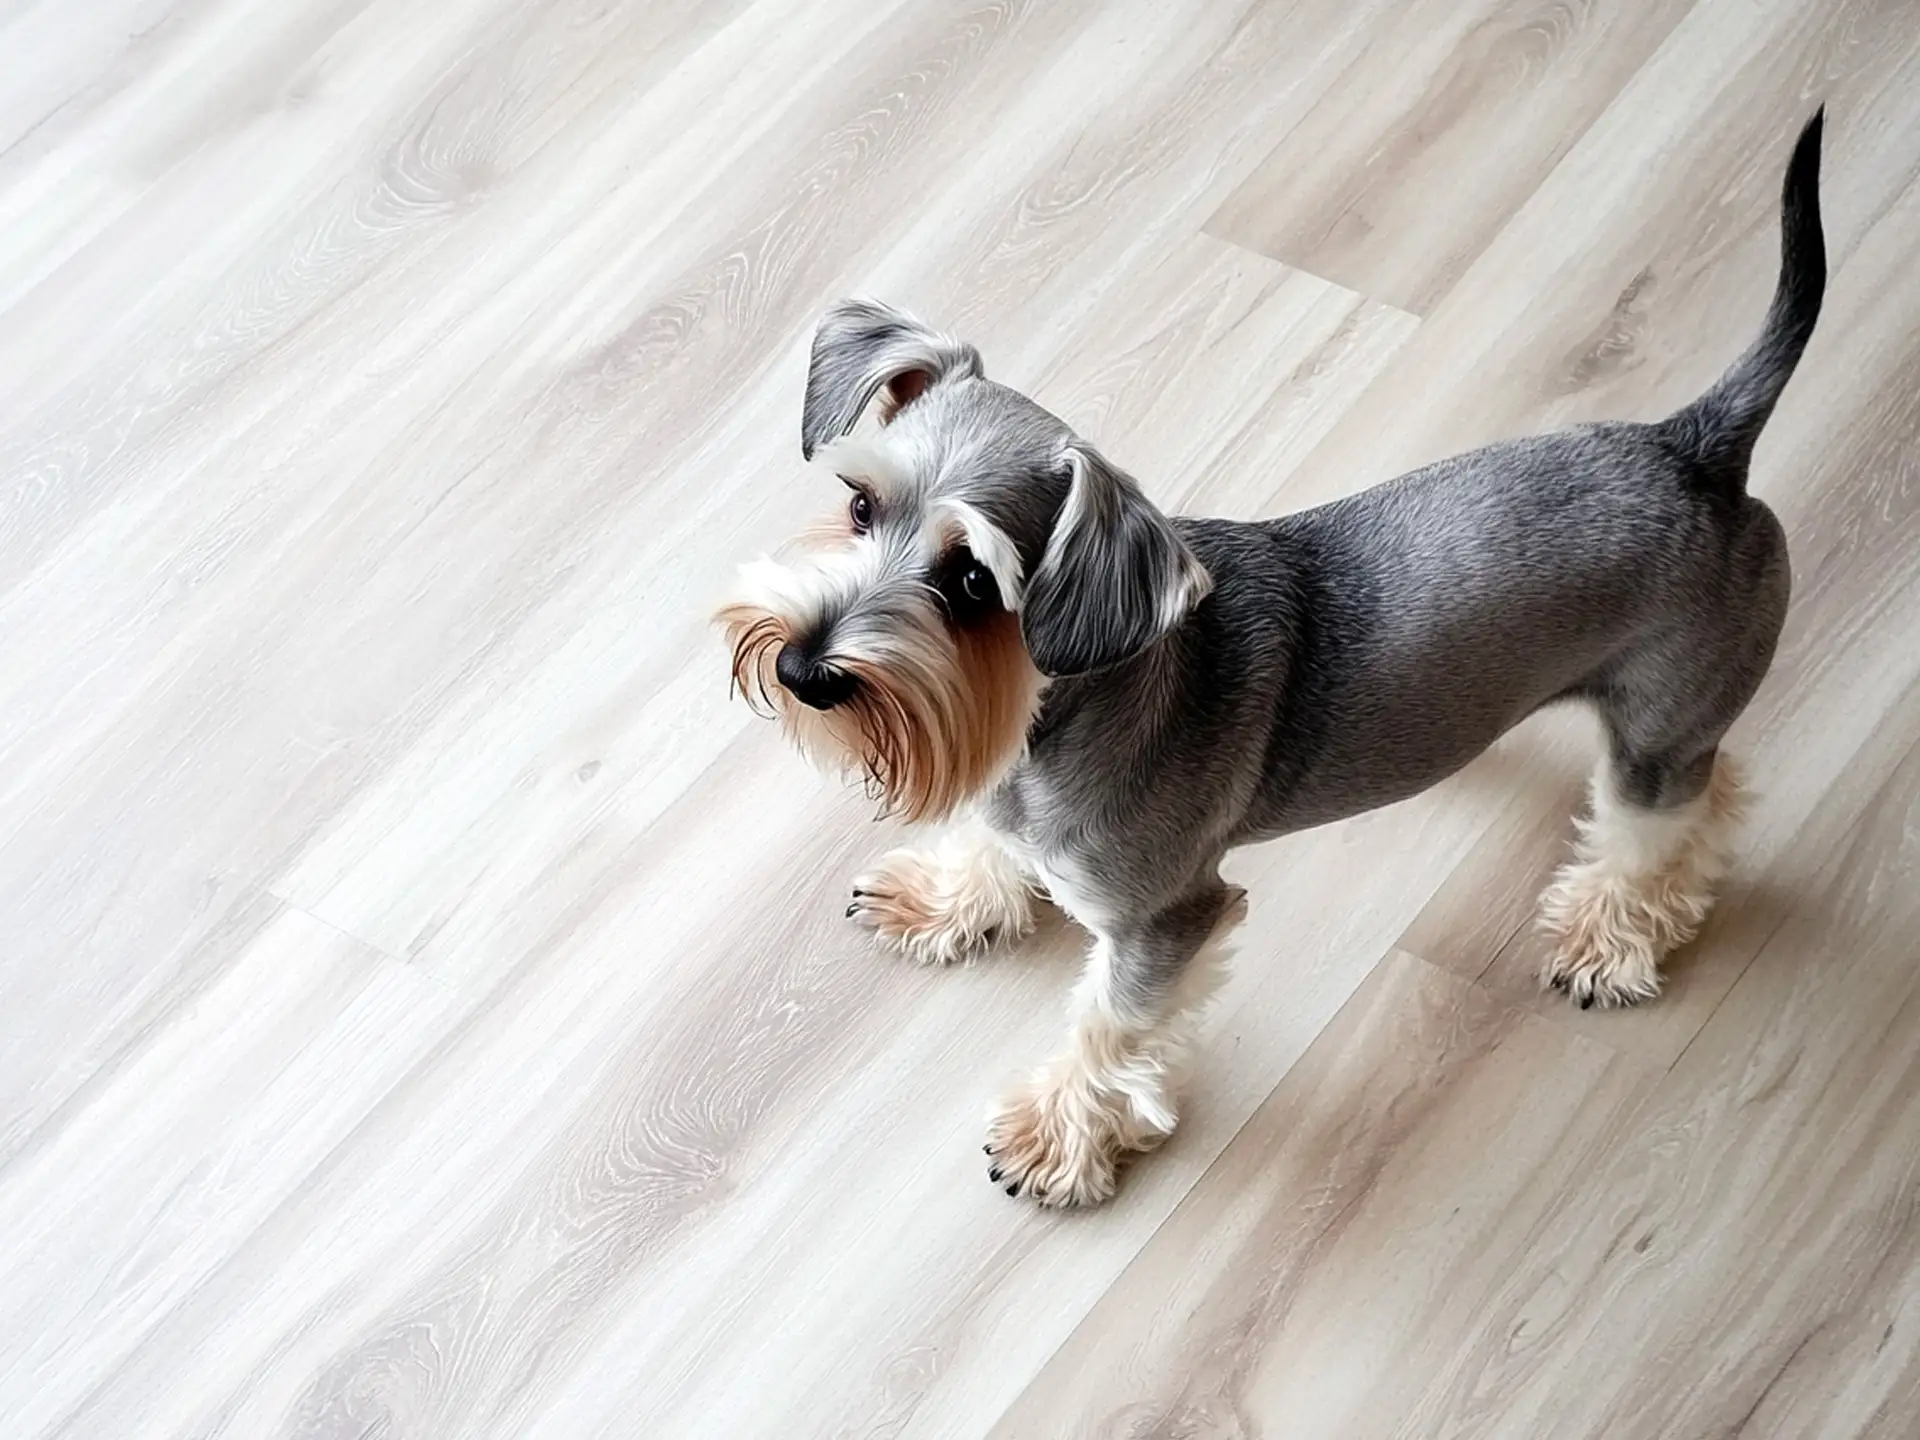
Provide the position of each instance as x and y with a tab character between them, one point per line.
1001	625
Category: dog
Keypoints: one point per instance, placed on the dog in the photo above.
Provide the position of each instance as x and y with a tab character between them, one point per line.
1001	627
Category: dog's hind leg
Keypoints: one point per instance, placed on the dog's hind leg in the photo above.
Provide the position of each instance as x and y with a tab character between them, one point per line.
1650	853
1666	800
948	902
1061	1135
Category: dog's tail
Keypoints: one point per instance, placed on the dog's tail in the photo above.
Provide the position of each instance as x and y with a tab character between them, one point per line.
1720	428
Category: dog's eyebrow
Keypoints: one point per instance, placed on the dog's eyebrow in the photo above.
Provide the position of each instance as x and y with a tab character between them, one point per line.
858	461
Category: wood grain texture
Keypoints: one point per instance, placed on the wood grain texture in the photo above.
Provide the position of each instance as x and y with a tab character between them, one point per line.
1332	1256
1393	184
425	1007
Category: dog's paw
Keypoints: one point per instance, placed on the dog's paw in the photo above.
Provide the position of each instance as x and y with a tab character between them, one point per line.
1640	886
1610	983
1060	1142
1607	943
1050	1153
936	908
903	902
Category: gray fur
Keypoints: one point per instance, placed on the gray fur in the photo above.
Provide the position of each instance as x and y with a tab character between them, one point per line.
861	346
1115	584
1354	654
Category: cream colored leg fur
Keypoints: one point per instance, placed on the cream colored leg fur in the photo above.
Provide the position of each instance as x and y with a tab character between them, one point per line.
1639	885
1063	1133
949	902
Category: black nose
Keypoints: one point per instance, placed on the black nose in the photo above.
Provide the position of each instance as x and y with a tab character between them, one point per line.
812	683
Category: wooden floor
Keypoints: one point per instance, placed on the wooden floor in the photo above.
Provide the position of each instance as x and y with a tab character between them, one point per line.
425	1004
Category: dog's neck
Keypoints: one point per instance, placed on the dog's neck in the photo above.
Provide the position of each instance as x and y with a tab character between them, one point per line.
1143	688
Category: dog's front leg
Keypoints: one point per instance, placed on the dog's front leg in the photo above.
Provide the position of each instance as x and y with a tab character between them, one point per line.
1061	1136
947	902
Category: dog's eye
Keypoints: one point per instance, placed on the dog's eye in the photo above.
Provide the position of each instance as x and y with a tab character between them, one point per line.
860	510
967	588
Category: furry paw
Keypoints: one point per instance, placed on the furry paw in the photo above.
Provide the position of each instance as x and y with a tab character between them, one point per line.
1607	946
1060	1138
1611	931
943	906
1640	885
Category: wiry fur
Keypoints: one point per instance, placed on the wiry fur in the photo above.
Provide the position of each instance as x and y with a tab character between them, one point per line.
1639	885
1062	1136
1140	694
939	713
948	903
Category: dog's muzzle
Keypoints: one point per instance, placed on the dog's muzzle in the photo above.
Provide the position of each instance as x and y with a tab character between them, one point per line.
812	682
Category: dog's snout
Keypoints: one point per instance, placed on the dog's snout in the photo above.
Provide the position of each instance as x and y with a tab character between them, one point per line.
810	681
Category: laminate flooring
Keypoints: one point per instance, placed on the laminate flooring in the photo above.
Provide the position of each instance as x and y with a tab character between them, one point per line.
425	1004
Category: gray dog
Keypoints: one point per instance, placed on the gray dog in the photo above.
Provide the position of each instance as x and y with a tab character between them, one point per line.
1002	625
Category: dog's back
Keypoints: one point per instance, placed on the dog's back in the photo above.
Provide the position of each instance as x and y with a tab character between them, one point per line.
1618	563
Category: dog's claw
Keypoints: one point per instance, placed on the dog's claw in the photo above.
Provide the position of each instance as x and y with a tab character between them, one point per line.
1586	1001
995	1175
1014	1190
853	909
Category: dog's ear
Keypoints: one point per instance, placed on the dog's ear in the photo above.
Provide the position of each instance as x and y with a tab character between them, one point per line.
1114	578
862	345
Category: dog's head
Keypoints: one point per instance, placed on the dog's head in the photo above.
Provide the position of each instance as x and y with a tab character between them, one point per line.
981	548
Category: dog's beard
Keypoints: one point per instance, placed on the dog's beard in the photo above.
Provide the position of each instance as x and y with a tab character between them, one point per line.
937	717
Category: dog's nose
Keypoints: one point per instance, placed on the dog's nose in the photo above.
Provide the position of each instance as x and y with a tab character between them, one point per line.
812	683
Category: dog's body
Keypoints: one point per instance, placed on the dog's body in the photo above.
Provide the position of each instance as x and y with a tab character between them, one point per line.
1354	654
1124	698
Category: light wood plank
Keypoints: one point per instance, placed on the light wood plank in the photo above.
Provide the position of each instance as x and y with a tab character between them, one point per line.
1353	1227
1394	184
191	1144
425	1007
1747	1255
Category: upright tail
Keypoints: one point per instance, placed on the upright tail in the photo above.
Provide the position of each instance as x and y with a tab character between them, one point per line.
1723	424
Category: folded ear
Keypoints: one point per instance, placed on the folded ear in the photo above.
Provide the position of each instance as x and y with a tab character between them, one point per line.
862	345
1115	576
